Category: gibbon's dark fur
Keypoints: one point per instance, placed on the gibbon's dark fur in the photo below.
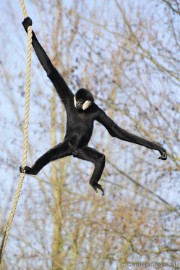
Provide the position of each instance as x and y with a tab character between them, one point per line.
81	114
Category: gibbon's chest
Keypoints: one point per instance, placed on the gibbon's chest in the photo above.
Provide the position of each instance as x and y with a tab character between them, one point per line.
80	119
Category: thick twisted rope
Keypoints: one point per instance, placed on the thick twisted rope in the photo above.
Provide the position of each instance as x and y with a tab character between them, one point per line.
25	144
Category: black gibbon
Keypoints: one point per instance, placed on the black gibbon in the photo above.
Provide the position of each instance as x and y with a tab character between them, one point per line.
81	112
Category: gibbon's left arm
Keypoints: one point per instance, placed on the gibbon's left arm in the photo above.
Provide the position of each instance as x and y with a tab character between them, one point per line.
115	131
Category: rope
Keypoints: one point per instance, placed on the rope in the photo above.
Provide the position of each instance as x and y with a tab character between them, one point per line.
25	143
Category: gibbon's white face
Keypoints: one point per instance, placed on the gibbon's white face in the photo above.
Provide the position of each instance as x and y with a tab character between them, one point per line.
82	105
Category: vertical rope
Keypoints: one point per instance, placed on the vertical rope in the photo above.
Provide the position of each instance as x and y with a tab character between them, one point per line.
25	144
24	11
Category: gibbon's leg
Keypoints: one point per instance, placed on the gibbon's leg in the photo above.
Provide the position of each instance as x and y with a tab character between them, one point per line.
98	159
59	151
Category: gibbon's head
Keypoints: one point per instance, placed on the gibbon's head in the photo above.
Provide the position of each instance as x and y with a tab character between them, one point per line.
83	99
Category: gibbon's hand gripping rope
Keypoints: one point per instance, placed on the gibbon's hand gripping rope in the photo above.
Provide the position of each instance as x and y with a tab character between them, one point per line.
25	144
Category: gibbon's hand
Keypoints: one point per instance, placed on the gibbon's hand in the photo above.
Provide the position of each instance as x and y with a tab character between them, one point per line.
26	23
163	155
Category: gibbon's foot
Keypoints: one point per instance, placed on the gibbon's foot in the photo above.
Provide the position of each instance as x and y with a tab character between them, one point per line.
96	186
26	170
163	155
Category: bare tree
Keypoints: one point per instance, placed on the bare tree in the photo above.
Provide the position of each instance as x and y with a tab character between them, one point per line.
128	55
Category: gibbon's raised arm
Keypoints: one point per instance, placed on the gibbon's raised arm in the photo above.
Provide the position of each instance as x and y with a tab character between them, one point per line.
115	131
59	83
